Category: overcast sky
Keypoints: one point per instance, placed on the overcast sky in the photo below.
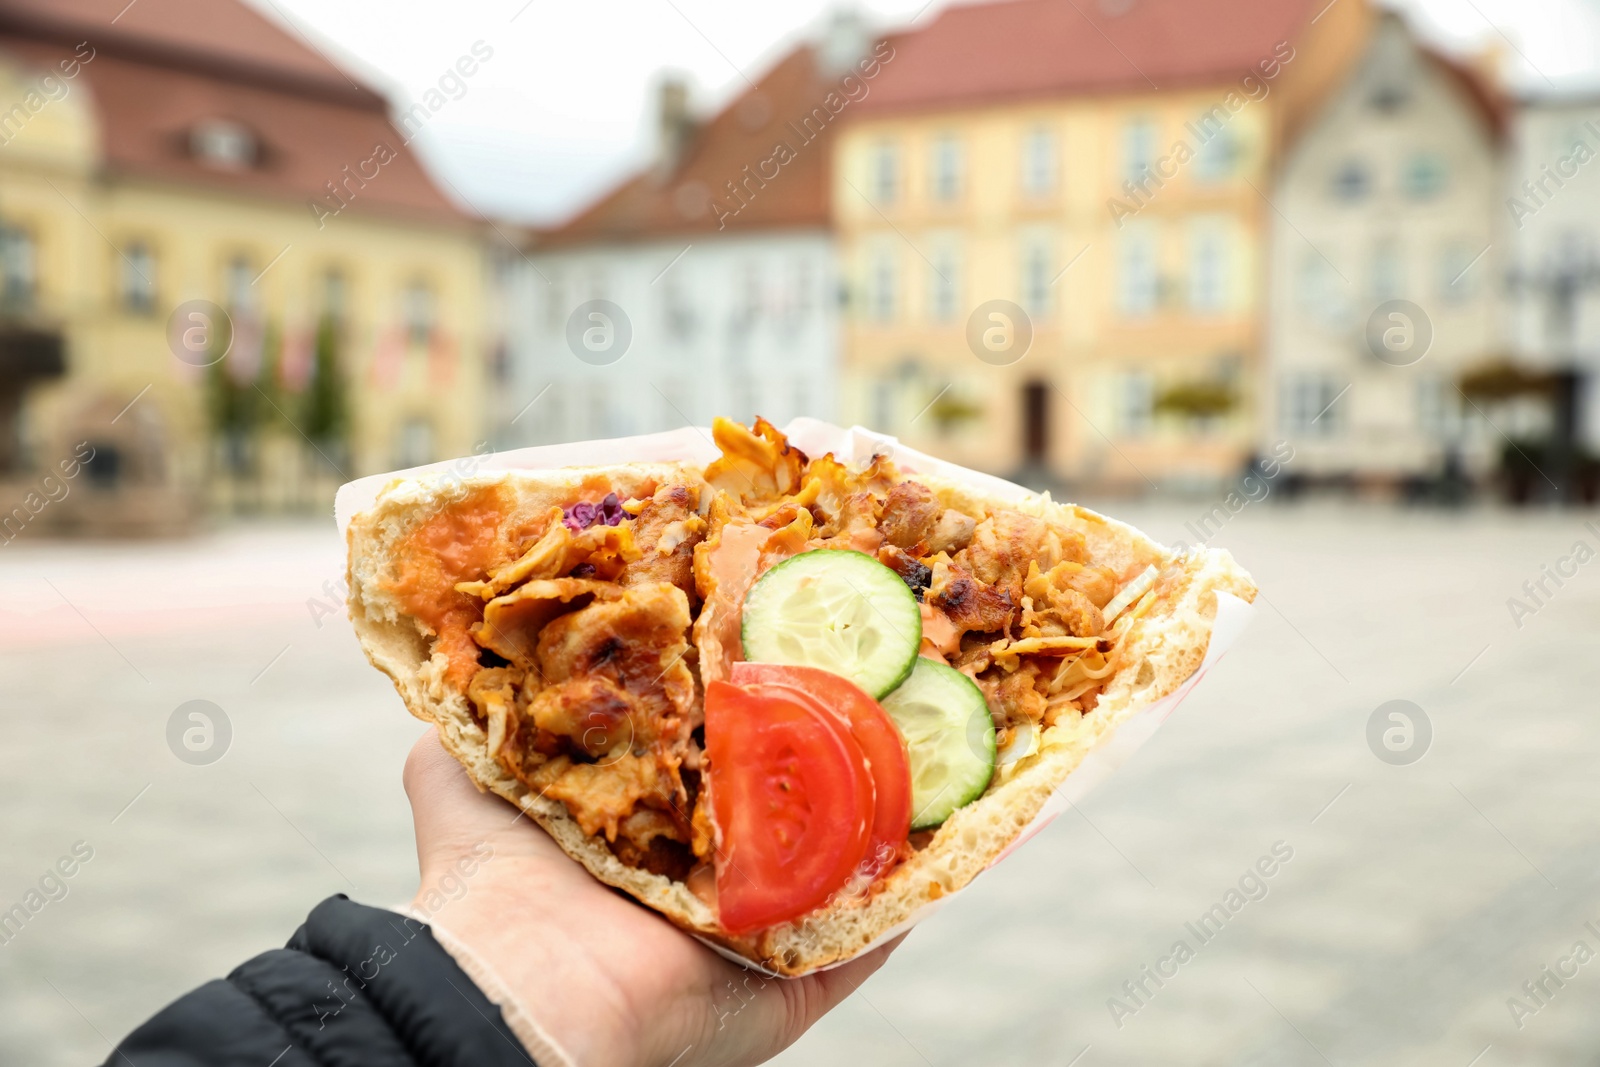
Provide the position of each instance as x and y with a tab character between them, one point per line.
561	109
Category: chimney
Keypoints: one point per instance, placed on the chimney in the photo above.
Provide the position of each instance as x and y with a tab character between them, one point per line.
675	125
845	40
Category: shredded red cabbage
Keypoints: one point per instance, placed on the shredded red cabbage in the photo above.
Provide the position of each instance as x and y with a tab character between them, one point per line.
583	514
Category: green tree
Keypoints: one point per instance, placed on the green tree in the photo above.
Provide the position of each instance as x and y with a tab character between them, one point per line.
325	407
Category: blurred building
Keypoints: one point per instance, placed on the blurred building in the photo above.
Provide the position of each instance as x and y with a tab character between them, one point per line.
168	151
705	284
1387	265
1107	169
1552	212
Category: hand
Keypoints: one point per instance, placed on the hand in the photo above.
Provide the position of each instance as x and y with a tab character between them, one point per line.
610	980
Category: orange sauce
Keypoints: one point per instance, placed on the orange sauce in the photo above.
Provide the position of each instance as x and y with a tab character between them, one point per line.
732	570
460	543
940	638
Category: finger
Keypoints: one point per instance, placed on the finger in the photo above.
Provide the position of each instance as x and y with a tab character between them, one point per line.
757	1018
837	984
452	816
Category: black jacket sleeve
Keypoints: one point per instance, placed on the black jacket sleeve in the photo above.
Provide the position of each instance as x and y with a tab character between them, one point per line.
355	987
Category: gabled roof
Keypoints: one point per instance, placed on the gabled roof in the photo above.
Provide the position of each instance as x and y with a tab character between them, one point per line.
161	67
975	54
1491	102
685	198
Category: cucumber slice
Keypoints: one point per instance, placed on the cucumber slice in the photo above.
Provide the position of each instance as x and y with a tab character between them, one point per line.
949	736
836	609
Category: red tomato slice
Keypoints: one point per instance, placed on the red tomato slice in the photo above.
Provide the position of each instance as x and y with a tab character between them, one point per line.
793	800
873	730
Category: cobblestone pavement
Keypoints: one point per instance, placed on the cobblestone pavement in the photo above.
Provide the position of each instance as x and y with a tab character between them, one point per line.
1418	898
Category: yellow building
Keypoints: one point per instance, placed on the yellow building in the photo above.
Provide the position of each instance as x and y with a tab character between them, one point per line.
1103	173
185	151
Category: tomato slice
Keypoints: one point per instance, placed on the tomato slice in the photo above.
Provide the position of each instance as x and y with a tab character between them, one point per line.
872	729
794	803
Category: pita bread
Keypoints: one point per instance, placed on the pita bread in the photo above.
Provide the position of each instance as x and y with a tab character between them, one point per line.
1164	645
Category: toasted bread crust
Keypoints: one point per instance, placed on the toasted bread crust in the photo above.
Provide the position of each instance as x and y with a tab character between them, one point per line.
1159	652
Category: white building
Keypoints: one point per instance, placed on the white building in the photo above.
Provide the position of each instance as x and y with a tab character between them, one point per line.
706	284
1387	267
1552	210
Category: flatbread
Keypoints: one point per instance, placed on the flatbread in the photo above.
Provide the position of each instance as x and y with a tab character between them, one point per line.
1162	648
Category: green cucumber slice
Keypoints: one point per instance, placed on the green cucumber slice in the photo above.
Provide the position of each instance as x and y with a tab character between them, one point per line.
837	609
949	737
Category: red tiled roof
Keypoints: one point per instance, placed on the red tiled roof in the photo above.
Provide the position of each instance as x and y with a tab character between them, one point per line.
978	53
1492	103
684	200
164	66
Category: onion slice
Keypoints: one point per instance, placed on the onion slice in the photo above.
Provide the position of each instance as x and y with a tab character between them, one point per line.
1024	742
1130	593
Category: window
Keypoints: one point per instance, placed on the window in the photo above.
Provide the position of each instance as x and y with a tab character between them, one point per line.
881	285
500	363
555	303
137	276
946	168
417	309
677	316
1040	155
1218	156
1309	408
414	446
223	144
885	181
1439	409
18	266
1037	273
1457	267
944	283
239	284
1351	181
1424	177
1135	403
1138	283
1388	272
1138	149
1320	293
1208	267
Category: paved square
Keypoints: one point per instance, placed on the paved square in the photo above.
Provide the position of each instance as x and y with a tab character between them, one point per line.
1418	897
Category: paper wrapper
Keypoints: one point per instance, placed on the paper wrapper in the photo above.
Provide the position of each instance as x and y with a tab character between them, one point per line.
857	445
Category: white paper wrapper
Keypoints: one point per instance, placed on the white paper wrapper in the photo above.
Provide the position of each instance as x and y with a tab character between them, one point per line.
856	445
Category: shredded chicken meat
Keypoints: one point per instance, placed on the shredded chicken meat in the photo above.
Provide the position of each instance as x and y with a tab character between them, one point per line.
596	642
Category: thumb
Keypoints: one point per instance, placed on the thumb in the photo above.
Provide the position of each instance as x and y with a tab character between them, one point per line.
453	817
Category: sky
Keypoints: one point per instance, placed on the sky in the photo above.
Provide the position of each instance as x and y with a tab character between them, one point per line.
562	108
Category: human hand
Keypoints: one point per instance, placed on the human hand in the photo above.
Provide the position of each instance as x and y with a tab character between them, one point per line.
613	983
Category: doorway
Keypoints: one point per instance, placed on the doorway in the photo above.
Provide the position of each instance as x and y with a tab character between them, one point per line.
1035	423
